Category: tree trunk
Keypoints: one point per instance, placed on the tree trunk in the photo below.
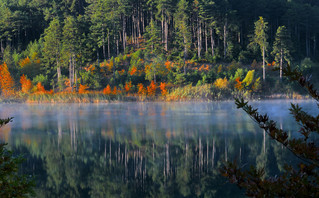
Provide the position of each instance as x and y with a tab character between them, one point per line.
194	33
185	52
199	44
108	44
281	57
76	79
58	70
98	56
166	34
314	45
264	69
212	41
163	33
143	22
117	47
73	69
206	39
103	43
138	22
134	30
124	33
70	71
225	38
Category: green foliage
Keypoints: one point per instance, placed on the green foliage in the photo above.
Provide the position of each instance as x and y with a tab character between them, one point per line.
183	34
306	65
52	45
42	79
90	79
189	92
66	36
282	45
260	38
239	73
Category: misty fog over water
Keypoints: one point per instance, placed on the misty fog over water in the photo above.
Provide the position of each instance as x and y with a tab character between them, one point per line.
142	149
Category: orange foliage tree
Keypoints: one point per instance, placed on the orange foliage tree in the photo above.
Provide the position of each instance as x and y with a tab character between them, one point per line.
116	91
6	81
40	88
83	89
107	90
24	62
163	88
151	89
141	89
133	71
26	84
128	86
239	85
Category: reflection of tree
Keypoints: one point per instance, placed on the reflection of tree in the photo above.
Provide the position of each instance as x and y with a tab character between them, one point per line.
138	158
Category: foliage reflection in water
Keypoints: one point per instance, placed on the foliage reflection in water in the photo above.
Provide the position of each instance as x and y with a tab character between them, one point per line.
140	149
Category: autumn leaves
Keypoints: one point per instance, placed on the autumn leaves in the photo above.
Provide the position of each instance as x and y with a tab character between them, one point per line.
150	90
6	81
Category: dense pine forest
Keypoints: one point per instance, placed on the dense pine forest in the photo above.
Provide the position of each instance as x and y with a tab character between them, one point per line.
175	50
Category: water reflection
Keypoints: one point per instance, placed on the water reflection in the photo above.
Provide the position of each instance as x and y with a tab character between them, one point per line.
140	149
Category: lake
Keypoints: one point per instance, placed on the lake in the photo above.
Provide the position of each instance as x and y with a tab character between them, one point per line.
143	149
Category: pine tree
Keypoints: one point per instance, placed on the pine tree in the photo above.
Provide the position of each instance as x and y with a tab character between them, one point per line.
281	47
260	38
52	47
154	51
181	25
71	42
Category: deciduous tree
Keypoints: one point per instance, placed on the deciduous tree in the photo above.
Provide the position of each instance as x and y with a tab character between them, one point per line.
6	81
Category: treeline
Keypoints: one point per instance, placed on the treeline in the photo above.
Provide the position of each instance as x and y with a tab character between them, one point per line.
61	39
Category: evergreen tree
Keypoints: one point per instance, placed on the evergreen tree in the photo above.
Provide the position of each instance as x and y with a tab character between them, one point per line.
165	13
181	25
52	48
281	47
154	50
71	43
260	38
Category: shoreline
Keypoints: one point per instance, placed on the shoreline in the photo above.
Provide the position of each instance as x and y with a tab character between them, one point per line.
86	98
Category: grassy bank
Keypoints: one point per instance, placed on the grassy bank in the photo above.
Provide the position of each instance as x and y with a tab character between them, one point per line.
206	92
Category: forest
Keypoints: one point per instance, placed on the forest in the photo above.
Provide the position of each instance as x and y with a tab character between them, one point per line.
91	50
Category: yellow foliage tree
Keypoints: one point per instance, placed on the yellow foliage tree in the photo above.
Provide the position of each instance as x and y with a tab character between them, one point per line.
221	83
249	77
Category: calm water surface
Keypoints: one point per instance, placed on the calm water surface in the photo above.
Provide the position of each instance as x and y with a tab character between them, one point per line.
142	149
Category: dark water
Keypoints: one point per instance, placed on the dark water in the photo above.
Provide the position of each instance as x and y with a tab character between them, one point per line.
142	149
